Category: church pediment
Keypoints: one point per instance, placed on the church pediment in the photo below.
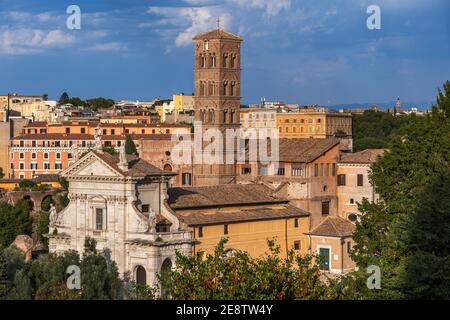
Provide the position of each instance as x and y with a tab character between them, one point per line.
89	166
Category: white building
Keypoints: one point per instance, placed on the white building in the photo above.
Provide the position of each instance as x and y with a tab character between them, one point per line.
121	203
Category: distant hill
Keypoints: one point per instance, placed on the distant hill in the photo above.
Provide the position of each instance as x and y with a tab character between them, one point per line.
420	105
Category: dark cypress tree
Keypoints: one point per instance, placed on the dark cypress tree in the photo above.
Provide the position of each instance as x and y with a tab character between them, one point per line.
130	147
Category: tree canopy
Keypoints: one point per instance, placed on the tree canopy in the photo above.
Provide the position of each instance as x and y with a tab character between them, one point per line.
417	159
241	277
373	129
14	220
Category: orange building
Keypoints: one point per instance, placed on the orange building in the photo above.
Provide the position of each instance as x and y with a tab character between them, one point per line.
47	148
305	124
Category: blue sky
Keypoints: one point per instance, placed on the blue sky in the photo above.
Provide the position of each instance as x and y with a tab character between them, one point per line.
304	51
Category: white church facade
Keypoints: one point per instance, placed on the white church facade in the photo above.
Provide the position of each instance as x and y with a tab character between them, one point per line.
121	202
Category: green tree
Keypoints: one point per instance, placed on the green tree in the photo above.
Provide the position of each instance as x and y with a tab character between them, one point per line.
241	277
418	153
49	277
5	284
100	103
14	221
22	286
64	98
100	278
139	292
130	147
427	271
27	184
11	262
64	183
372	129
110	150
42	227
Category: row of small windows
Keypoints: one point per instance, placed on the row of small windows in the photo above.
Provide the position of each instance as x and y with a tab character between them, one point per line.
68	130
45	155
302	121
294	129
209	60
65	144
209	88
209	116
324	169
35	166
342	180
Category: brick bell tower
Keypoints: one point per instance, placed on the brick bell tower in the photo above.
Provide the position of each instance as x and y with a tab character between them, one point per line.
217	100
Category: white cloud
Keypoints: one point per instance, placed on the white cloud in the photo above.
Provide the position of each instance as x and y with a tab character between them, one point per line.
190	21
271	7
25	41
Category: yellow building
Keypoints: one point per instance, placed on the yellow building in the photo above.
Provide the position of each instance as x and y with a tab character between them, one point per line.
3	102
30	106
304	124
258	118
182	102
247	215
332	239
51	180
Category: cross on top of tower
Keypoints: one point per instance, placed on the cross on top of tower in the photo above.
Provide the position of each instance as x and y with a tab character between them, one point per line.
218	23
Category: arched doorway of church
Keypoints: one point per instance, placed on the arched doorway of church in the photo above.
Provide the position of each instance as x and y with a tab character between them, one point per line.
166	267
141	275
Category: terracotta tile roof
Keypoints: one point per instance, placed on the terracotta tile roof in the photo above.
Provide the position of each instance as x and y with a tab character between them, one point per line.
137	167
217	34
47	178
280	211
221	195
334	227
303	150
366	156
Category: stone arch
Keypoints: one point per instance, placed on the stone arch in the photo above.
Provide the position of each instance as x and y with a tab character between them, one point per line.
140	275
166	265
45	198
167	167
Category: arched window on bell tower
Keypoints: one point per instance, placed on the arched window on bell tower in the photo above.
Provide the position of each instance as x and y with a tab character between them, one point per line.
210	116
232	60
202	88
232	90
202	61
213	88
225	87
224	60
225	113
232	116
202	116
213	60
